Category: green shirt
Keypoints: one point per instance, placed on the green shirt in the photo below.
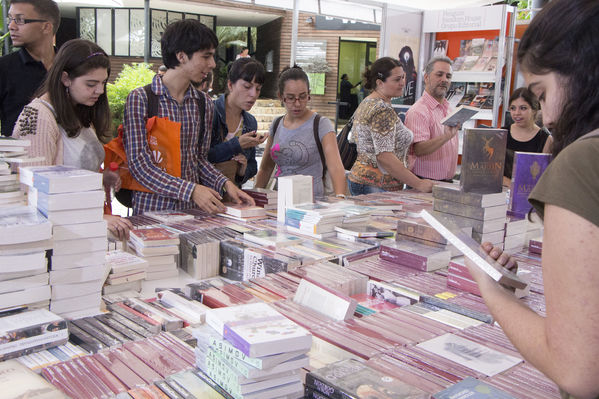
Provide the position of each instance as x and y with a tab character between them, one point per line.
571	181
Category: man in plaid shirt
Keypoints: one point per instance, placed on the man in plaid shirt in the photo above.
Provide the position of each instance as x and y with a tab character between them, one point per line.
188	48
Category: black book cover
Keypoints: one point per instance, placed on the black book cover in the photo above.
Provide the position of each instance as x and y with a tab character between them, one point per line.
483	157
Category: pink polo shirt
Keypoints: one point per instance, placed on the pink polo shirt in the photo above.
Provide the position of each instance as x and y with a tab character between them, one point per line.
423	118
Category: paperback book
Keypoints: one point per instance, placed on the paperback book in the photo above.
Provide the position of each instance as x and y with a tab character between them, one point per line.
483	160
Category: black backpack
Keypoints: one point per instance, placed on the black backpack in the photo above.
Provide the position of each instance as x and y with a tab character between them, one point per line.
347	150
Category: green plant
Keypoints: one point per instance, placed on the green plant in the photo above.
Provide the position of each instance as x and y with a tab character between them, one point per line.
131	77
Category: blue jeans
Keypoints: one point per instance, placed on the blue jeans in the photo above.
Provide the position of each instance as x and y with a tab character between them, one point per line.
359	188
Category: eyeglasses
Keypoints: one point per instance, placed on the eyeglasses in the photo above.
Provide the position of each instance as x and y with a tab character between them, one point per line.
20	20
292	99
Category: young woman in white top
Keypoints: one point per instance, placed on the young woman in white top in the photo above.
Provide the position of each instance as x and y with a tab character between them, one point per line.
70	114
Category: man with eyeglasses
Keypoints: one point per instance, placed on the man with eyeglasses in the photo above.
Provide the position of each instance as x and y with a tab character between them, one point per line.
32	25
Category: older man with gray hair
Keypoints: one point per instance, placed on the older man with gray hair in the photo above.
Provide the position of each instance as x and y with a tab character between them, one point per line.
435	145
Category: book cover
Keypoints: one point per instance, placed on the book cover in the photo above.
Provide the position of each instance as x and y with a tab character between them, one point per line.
353	379
460	115
325	300
440	48
243	210
271	237
64	179
472	250
154	236
470	211
414	255
472	388
470	354
491	65
363	230
527	170
469	62
482	160
480	65
22	224
18	381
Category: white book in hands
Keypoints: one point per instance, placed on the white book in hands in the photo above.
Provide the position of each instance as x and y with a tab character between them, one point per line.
460	115
472	250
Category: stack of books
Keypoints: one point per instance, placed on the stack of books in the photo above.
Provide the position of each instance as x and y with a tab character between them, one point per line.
31	331
458	276
263	197
244	212
484	213
293	190
159	247
26	235
190	311
20	382
314	220
10	190
252	351
515	234
200	254
72	199
39	360
16	151
126	271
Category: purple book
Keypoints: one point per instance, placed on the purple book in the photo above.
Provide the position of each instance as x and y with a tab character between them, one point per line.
528	168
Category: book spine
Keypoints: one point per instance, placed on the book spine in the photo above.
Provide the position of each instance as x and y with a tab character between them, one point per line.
453	195
218	370
212	384
420	231
235	340
226	348
166	389
85	340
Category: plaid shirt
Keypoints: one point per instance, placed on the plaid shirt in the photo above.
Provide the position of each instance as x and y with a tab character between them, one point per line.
169	192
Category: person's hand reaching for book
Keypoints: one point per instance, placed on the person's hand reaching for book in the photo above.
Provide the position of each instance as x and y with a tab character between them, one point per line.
236	195
118	226
207	199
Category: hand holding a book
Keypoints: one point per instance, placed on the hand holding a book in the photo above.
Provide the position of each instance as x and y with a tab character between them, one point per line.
425	186
450	131
251	139
207	199
496	254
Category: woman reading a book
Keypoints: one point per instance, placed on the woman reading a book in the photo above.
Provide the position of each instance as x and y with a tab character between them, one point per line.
560	68
382	139
292	145
69	115
524	134
234	137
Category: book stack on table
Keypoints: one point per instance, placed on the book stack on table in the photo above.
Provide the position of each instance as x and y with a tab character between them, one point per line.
485	213
26	235
126	271
159	247
264	197
72	199
252	351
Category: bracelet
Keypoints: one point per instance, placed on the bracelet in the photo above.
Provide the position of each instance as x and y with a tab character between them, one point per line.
340	196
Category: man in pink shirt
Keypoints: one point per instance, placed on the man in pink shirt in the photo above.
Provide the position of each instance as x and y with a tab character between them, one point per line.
435	145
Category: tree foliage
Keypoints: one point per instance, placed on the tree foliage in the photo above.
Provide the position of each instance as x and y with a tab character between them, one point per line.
131	77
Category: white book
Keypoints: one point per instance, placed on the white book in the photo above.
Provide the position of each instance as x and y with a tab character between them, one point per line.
26	296
81	313
161	268
14	142
65	201
130	286
194	311
160	260
272	237
18	381
80	246
27	320
325	300
89	301
75	216
150	276
23	283
12	196
470	354
62	262
27	247
120	262
64	291
77	275
79	231
472	250
126	277
142	251
22	263
293	190
60	179
23	224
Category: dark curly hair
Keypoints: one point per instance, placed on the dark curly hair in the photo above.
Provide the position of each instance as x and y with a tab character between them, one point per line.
380	69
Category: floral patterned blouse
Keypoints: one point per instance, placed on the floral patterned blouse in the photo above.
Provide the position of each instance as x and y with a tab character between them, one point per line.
376	129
